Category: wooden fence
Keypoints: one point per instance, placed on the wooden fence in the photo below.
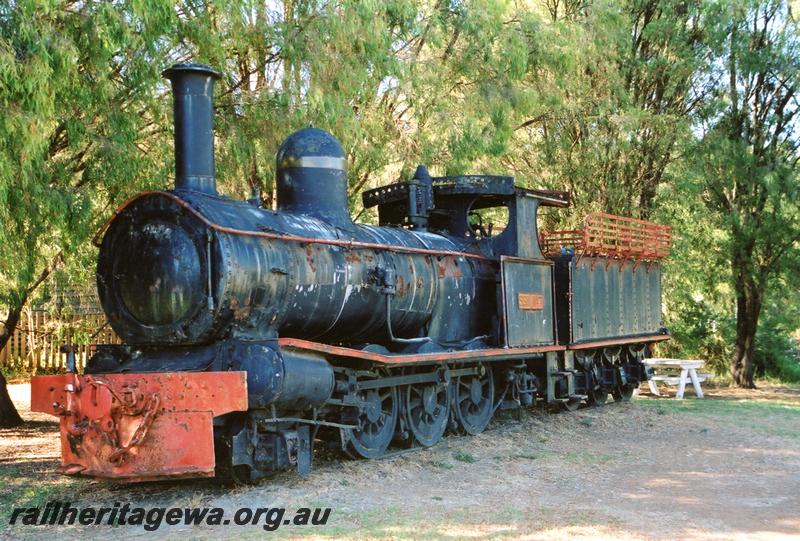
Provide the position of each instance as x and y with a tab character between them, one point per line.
36	343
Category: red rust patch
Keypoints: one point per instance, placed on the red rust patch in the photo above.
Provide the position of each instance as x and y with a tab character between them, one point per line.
448	268
402	286
310	258
139	426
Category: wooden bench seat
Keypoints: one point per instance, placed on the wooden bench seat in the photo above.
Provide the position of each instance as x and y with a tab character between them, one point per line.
687	374
676	379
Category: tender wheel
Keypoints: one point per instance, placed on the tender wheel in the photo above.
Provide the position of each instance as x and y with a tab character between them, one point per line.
427	411
591	366
612	356
637	352
473	401
623	393
598	396
377	421
571	405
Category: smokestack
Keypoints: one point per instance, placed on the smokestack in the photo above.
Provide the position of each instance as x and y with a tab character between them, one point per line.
193	110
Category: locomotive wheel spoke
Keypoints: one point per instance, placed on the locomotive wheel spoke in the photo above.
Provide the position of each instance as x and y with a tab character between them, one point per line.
427	411
377	420
598	395
474	401
615	358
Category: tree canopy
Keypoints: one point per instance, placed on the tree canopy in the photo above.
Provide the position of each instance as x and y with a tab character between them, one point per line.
684	112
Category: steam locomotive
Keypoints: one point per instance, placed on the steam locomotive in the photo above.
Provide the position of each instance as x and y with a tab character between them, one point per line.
250	334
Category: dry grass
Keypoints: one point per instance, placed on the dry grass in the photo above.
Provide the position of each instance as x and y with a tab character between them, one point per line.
723	468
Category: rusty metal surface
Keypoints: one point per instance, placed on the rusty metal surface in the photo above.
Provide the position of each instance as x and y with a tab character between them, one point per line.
139	426
348	244
419	358
608	235
321	287
618	341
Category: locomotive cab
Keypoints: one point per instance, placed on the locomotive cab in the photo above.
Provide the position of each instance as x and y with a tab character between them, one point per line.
456	206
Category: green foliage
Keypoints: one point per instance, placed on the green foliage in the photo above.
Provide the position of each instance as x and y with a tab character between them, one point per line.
746	160
777	349
616	86
698	303
463	456
80	128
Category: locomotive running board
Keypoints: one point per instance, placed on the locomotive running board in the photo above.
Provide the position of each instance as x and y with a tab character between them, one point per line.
139	427
493	354
591	344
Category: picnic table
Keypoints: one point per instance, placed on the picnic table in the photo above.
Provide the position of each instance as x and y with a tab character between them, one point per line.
688	371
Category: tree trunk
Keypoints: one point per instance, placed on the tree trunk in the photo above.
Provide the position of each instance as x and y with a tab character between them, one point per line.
9	417
748	309
8	413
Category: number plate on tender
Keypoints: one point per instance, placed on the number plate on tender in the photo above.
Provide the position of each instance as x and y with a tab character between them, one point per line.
530	301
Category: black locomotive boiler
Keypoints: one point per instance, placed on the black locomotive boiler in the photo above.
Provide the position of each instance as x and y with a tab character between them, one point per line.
250	334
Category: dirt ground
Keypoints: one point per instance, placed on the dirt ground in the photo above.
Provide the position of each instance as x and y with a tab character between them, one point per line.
723	468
